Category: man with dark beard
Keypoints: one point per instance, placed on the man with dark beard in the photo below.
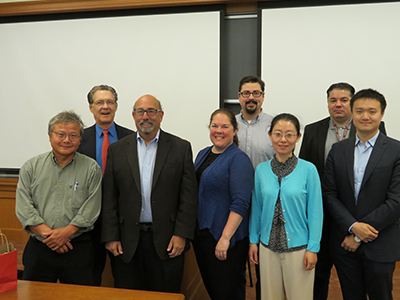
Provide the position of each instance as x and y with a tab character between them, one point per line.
149	203
253	122
253	126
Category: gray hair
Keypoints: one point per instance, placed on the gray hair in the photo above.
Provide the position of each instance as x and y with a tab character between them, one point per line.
101	87
66	117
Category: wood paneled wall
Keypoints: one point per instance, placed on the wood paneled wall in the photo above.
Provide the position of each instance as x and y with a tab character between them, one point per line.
9	223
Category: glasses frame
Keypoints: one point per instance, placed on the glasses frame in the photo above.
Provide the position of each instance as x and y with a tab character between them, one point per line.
100	103
293	136
62	136
251	93
143	111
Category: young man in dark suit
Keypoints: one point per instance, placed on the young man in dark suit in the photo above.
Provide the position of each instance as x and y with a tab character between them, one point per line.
149	203
103	104
318	139
362	194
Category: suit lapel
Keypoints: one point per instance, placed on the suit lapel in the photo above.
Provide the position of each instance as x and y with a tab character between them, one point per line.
117	129
377	152
349	158
91	141
352	130
322	133
132	155
163	148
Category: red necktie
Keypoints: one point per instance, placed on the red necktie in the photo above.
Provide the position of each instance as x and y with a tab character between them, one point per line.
106	143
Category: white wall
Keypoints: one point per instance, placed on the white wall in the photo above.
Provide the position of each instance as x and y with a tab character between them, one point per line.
49	66
306	49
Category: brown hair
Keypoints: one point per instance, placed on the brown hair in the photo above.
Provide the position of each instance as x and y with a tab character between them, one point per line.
232	120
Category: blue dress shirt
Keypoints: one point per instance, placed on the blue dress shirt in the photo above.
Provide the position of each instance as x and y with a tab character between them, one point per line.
147	158
362	152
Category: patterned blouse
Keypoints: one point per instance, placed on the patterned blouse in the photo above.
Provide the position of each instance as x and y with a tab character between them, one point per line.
278	239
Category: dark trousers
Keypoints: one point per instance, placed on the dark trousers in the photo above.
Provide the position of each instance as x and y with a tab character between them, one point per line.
222	279
99	254
147	271
359	276
74	267
324	264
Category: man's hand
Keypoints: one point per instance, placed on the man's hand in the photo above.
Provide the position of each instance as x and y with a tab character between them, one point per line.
64	249
42	229
253	253
59	237
114	247
365	232
310	260
349	244
176	246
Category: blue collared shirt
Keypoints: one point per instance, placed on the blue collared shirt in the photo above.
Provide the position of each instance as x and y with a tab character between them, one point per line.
147	158
362	152
112	137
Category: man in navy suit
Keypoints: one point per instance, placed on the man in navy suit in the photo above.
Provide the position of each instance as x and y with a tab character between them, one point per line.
362	193
318	139
103	104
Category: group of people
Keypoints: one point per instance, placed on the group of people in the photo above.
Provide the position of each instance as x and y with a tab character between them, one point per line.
139	197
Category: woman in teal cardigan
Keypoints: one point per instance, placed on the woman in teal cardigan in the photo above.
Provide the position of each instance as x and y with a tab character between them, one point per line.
286	217
221	243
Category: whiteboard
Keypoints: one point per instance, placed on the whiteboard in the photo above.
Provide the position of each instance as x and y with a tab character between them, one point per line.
50	66
306	49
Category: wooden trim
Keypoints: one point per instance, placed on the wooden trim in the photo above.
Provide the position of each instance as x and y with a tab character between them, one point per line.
68	6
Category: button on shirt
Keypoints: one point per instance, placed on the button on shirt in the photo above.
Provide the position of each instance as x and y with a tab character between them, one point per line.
147	158
254	139
362	153
59	196
112	136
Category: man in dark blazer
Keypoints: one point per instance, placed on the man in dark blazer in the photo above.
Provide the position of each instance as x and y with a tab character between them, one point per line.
362	193
103	104
318	139
149	203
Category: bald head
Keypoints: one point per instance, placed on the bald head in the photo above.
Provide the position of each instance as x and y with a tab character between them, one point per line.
148	114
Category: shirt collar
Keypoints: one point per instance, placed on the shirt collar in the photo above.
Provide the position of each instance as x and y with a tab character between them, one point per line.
332	126
156	138
255	119
112	130
55	162
371	141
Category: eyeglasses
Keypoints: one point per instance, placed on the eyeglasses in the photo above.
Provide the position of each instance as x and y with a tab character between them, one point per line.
73	137
102	102
246	94
288	136
151	112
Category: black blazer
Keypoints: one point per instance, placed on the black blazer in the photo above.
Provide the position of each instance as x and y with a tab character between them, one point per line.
88	141
314	138
378	201
173	195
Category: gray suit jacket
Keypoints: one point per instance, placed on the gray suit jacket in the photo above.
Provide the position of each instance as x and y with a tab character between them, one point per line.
173	195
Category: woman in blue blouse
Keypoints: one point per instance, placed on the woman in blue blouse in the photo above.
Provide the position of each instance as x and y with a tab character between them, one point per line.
225	176
286	217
